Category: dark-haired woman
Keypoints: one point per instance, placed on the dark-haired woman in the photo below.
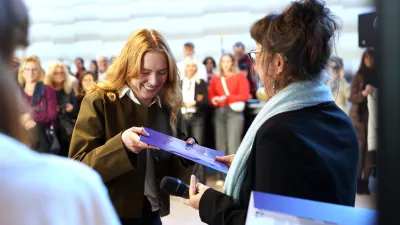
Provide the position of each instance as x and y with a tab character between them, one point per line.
361	87
210	64
300	144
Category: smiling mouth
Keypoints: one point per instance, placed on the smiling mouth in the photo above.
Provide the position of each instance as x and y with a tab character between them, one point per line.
150	88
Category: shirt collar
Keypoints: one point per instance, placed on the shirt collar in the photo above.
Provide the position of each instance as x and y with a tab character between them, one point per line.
127	91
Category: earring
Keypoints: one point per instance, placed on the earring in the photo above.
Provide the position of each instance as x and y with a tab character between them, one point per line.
274	85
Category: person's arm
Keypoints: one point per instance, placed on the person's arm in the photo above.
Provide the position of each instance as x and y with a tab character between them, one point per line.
279	169
88	145
217	208
244	91
203	93
356	96
211	90
72	101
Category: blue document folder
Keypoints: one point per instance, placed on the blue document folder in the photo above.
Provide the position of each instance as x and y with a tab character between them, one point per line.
195	153
269	209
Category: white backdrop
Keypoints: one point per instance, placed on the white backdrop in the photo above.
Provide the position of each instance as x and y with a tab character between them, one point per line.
86	28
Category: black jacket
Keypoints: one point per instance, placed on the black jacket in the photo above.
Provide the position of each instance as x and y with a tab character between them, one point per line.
311	153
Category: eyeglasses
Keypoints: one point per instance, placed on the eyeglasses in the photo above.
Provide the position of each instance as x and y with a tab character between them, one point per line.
253	55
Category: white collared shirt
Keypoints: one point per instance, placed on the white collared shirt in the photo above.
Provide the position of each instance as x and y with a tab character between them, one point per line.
188	92
101	76
127	91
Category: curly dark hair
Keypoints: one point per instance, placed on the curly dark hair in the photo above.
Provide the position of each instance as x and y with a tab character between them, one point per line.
303	34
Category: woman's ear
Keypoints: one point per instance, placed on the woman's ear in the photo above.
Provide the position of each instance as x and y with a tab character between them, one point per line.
279	63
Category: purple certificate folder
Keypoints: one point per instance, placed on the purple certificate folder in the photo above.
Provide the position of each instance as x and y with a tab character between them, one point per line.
195	153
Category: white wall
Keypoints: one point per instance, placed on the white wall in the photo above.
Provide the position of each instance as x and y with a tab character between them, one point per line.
70	28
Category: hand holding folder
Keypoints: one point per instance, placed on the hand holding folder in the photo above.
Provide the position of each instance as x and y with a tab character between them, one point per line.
193	152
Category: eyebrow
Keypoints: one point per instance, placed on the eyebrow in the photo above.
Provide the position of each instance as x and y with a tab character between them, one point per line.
157	71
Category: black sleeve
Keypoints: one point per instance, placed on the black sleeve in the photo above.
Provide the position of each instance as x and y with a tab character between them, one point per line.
217	208
203	90
72	101
272	167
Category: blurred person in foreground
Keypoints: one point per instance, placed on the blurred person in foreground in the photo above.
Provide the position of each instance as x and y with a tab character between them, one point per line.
35	188
300	144
141	90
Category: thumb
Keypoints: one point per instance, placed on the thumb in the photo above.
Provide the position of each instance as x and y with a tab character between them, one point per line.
192	190
222	158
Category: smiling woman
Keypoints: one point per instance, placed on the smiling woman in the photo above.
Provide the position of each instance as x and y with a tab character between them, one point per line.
141	89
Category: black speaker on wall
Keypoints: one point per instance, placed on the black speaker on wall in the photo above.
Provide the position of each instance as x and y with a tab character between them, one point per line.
367	25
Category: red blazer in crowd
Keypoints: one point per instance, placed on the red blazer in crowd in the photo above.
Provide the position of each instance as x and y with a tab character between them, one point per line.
238	86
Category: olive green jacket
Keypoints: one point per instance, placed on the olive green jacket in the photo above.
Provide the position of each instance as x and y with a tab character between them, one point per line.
96	141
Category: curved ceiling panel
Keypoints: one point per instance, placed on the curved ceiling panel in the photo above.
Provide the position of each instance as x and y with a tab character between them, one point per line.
41	32
63	34
89	30
86	12
114	13
86	28
153	8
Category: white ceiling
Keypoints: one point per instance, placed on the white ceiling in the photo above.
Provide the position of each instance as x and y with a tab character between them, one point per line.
86	28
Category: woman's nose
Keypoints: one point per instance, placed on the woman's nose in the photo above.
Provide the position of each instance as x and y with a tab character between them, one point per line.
152	79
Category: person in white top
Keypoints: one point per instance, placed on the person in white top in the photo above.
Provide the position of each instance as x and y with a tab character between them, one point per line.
188	53
41	189
38	189
102	63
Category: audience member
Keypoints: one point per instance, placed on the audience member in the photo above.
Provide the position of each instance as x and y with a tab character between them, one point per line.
102	63
359	115
57	78
228	93
210	64
188	53
42	101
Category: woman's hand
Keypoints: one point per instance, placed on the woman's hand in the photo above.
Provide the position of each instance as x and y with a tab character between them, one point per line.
69	107
190	141
194	199
368	90
131	139
190	105
214	101
29	124
228	159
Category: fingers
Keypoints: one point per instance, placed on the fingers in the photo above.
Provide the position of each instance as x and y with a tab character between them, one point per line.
140	130
153	147
223	159
186	202
190	141
193	187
